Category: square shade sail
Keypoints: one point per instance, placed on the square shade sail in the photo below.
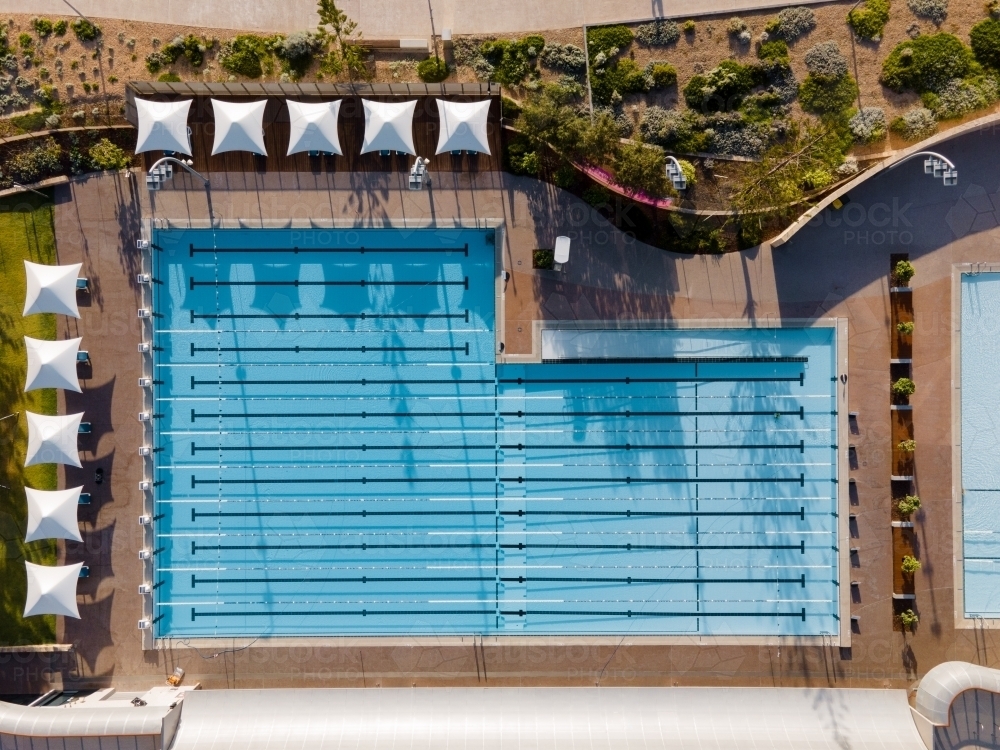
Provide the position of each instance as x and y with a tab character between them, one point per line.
239	126
388	126
463	126
52	590
52	364
51	289
313	127
52	514
52	440
163	126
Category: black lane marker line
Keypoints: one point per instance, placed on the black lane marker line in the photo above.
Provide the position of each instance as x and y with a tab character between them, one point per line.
298	349
331	316
800	446
363	381
363	447
362	414
630	380
519	480
304	250
360	513
633	613
629	413
348	613
671	360
629	580
192	283
364	546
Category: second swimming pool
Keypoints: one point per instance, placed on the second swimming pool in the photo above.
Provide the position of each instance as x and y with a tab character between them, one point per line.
339	453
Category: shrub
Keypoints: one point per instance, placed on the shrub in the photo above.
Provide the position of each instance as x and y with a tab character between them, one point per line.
904	387
915	124
689	27
689	172
22	83
826	61
106	155
190	46
42	26
640	168
619	76
907	446
85	30
935	10
959	97
926	63
565	57
59	28
607	38
25	42
721	89
597	195
244	55
544	259
793	23
34	164
868	125
775	49
732	135
817	179
823	96
910	564
870	19
169	78
661	75
296	52
736	26
908	505
154	62
908	619
512	61
432	70
905	327
53	121
659	33
677	130
985	40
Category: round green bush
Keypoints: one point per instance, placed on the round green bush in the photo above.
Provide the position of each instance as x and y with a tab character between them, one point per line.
242	55
824	96
606	38
106	155
870	19
661	75
169	78
985	39
721	89
85	30
432	70
915	124
775	49
926	63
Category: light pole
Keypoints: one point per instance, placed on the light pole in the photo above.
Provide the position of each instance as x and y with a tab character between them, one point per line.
30	189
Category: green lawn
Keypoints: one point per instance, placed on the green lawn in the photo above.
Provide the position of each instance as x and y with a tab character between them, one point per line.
26	232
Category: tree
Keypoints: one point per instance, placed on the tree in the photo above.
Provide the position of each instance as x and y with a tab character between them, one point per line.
336	28
642	168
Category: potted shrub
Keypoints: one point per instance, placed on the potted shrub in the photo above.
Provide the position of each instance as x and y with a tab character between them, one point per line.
902	272
910	565
908	505
908	620
905	328
903	388
907	446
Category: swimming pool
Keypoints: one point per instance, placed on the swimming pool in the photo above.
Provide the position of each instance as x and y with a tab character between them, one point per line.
339	453
980	360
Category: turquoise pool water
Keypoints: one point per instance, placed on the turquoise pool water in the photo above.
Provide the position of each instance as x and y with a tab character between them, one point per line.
981	443
339	453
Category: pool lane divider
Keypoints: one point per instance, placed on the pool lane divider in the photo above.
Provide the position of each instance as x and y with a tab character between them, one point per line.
520	513
192	250
195	581
488	613
330	316
800	480
302	349
800	446
520	546
518	381
627	413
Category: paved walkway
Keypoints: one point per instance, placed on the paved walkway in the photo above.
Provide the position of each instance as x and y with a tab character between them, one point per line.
380	19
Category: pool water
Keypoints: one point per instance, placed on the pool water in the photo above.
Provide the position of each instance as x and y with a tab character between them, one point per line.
980	363
339	453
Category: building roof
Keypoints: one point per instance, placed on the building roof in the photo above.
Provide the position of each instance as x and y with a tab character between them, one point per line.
52	590
550	718
163	126
52	440
239	126
388	126
463	126
51	289
313	127
52	364
52	514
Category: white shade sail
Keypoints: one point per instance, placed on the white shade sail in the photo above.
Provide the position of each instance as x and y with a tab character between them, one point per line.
313	127
52	364
388	126
463	126
52	440
51	289
52	590
52	514
163	126
239	126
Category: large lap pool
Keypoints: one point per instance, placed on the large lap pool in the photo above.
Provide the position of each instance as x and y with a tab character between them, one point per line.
339	453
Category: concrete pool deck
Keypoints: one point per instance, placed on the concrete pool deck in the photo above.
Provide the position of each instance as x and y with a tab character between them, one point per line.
837	268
